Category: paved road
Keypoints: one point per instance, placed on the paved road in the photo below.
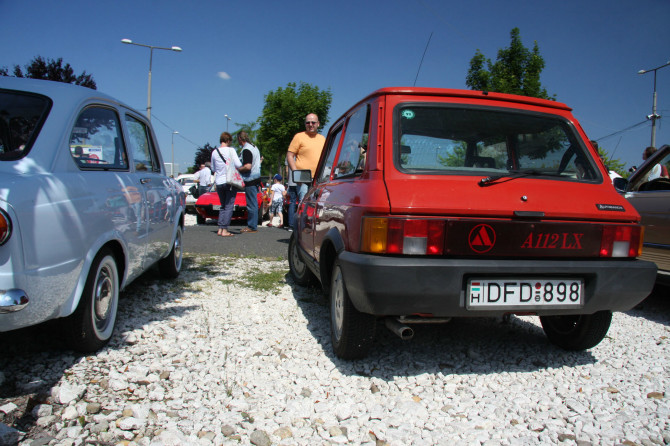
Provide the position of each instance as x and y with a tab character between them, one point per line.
266	243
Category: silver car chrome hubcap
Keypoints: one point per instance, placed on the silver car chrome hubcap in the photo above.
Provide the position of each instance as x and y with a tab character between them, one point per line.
104	290
177	251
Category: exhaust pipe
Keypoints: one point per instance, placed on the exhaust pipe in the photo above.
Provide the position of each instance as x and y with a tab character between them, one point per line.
403	331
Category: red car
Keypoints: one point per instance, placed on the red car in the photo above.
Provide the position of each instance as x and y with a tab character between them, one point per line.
208	205
429	204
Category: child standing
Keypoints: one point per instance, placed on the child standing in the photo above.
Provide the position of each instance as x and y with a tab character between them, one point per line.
278	194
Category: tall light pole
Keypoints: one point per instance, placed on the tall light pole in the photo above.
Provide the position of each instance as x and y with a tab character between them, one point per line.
173	133
227	121
653	115
151	57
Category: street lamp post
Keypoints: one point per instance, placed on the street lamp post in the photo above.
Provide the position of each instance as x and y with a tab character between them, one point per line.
151	56
227	121
173	133
653	115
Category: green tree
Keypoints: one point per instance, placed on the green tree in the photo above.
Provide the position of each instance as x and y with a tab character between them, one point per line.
203	155
516	70
250	128
52	70
455	157
284	116
614	164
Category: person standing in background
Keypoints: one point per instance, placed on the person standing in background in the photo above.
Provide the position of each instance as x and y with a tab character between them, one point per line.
221	156
251	174
277	203
204	179
305	150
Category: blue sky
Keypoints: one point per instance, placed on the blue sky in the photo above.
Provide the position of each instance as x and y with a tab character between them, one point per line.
593	50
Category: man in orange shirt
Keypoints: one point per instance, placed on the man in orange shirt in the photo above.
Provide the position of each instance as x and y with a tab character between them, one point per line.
305	150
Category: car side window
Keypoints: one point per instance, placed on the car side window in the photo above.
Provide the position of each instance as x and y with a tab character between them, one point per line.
139	141
355	146
331	149
656	177
96	141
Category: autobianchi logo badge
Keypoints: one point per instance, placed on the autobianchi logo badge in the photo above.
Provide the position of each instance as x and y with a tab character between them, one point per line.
482	238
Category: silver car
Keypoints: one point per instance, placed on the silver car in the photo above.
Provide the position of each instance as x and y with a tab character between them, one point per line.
648	190
85	208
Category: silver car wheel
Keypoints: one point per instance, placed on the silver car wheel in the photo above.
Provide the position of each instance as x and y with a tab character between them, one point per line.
170	266
105	298
178	254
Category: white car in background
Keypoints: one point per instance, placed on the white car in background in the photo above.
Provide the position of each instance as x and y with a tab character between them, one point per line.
186	181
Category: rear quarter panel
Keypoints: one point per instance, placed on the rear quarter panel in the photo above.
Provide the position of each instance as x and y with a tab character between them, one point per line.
347	201
349	198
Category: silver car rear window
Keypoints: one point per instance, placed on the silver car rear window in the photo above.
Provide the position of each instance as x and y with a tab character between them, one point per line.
21	117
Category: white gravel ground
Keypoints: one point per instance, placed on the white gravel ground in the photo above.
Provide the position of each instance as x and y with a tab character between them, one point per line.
208	360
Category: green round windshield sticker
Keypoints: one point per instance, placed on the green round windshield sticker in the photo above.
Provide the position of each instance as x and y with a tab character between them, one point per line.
408	114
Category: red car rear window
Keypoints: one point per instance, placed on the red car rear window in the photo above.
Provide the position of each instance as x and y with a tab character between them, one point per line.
483	140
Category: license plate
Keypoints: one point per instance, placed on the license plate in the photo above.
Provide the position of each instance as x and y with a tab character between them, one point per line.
514	294
216	207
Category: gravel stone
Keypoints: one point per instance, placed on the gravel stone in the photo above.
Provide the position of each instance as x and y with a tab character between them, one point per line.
8	408
69	413
8	435
67	392
207	359
93	408
260	438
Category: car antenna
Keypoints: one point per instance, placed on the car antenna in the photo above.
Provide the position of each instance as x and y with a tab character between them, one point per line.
424	55
616	147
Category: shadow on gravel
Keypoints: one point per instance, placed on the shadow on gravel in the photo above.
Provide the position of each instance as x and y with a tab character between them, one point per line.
34	359
463	346
656	307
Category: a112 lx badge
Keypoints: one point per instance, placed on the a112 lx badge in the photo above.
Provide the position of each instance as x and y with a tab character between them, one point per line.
553	240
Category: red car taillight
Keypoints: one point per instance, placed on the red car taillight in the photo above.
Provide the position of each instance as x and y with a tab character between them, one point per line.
5	227
388	235
383	235
621	241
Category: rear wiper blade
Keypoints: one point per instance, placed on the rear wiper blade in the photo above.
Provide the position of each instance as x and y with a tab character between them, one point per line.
512	174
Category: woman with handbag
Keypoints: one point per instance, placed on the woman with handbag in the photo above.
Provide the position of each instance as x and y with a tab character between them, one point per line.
225	163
